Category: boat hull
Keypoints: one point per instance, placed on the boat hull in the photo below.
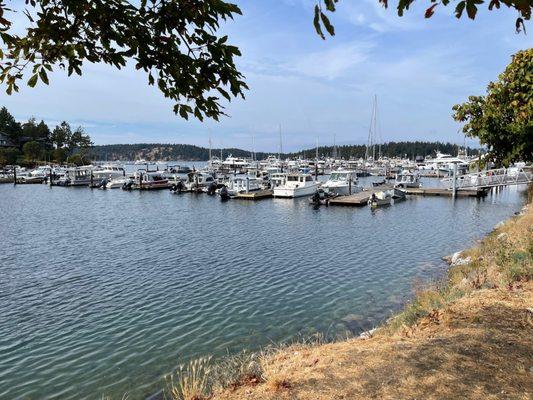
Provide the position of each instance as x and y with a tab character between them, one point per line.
295	192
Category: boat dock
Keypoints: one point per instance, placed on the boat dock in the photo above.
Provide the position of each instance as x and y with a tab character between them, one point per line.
256	195
361	199
358	199
446	192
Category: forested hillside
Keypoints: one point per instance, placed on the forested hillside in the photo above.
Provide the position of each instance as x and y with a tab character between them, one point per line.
168	152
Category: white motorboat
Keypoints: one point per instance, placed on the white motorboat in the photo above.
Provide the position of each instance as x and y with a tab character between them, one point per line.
383	198
406	179
244	184
78	176
342	182
198	180
235	162
444	163
117	183
149	180
296	185
277	179
109	171
37	175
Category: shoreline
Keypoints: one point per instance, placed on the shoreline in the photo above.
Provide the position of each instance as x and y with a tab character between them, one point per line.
476	276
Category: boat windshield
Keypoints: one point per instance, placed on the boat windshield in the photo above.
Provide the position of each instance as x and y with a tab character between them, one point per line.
336	176
292	178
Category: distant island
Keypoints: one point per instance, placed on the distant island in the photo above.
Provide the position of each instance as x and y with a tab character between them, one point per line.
177	152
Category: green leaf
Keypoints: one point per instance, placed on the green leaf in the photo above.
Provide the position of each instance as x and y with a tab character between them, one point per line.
316	23
327	24
33	80
471	10
459	9
224	93
43	75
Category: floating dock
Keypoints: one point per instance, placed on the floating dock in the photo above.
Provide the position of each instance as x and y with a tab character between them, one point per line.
446	192
361	199
256	195
358	199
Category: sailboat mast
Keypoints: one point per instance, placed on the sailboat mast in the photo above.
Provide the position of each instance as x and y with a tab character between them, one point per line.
280	151
210	145
253	147
370	149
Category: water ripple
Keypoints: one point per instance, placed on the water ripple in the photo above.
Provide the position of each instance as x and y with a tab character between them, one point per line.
107	291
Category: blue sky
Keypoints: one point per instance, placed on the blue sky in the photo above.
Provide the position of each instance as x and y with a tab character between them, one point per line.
418	69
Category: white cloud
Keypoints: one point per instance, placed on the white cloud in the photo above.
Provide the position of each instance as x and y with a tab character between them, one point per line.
332	63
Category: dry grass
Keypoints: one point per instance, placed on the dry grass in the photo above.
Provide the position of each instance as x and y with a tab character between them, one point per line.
191	382
469	336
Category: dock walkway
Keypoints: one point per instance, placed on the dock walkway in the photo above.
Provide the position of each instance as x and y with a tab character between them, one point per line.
358	199
256	195
361	199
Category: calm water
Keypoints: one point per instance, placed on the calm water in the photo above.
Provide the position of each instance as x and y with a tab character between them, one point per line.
104	292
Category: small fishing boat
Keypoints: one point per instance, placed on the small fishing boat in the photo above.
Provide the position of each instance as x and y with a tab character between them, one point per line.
198	181
149	180
398	195
79	176
379	199
116	183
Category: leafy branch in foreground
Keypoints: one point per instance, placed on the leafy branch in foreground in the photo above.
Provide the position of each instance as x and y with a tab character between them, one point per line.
503	119
174	41
523	7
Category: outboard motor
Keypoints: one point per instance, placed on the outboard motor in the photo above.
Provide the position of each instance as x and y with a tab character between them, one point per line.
316	198
224	196
212	188
103	183
177	187
127	185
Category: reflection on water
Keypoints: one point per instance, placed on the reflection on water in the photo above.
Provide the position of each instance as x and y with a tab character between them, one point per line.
106	291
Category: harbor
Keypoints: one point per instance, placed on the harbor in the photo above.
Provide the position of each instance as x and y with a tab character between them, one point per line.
129	283
324	181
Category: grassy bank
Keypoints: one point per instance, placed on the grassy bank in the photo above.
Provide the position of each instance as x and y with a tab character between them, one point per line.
469	336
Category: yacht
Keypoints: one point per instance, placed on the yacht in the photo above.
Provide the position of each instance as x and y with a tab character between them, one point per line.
444	163
235	162
296	185
342	182
406	179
